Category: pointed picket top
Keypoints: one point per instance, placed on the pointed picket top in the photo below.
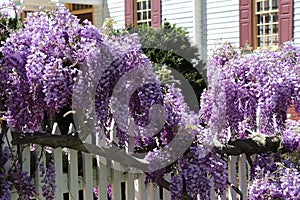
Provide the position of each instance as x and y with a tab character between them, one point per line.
71	129
55	129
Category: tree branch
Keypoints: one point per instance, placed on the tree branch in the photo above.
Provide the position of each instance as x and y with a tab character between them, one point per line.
74	142
257	143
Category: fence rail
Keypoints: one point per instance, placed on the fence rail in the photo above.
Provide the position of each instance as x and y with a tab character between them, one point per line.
77	174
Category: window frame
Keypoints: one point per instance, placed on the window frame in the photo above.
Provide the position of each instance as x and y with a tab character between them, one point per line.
147	21
131	14
80	11
255	25
247	25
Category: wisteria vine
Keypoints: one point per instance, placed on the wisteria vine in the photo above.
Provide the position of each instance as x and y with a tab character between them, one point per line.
54	63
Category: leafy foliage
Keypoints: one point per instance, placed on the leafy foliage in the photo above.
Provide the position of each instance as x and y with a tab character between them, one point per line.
171	46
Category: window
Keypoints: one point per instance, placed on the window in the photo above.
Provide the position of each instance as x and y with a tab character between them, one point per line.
265	22
143	12
138	12
82	11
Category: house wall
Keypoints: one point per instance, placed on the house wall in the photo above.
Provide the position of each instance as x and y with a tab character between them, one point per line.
222	22
179	12
297	21
116	9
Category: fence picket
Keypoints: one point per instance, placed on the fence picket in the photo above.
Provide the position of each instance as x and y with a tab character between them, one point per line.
107	172
232	176
116	183
129	185
242	175
40	159
166	195
212	191
88	173
73	174
152	192
26	159
102	176
57	155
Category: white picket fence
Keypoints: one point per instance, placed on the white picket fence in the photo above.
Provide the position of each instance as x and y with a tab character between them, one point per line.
125	186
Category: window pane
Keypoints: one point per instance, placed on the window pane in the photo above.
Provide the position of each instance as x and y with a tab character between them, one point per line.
259	42
275	17
267	19
149	14
259	7
274	4
144	15
138	5
139	16
267	29
259	30
144	5
149	4
275	28
267	5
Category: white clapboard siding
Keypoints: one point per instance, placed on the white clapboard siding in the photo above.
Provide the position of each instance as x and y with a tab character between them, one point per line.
116	9
296	22
222	22
181	13
110	172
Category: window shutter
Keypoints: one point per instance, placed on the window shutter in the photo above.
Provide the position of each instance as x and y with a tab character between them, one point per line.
285	19
156	14
245	22
129	13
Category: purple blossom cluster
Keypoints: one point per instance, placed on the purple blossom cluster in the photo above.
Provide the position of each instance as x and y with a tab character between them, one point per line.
48	179
274	180
176	186
54	62
40	63
13	178
253	92
291	135
240	85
